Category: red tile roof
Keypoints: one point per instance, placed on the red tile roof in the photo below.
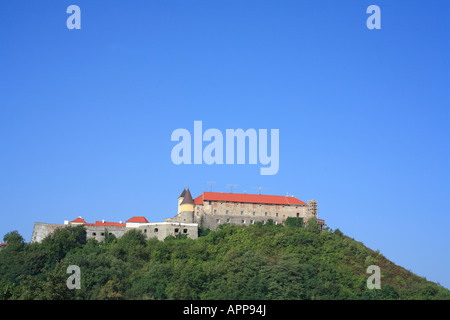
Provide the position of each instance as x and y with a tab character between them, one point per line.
248	198
101	223
106	223
79	220
138	220
98	223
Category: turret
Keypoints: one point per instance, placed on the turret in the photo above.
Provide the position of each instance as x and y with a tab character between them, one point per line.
186	207
180	199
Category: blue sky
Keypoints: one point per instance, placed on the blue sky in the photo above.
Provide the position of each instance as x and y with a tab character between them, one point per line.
86	115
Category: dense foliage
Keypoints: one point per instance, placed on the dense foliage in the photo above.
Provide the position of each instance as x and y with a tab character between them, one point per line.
255	262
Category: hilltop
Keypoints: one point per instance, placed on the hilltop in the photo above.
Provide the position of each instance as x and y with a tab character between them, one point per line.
255	262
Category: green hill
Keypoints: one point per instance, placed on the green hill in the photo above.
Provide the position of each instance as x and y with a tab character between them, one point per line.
255	262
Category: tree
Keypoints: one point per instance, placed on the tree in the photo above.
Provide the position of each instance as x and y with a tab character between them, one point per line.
313	225
253	262
53	288
112	290
62	241
338	233
13	237
294	222
8	291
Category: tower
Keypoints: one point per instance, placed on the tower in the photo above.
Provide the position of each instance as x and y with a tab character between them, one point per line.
180	199
186	207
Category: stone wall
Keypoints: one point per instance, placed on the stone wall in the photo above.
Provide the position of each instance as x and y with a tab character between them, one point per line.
161	230
42	230
183	217
98	232
211	215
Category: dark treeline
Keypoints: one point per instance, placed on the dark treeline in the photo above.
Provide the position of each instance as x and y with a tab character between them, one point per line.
255	262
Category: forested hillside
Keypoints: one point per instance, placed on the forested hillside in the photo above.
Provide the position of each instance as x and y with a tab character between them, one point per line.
255	262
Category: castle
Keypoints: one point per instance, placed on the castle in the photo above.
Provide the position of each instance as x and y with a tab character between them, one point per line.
208	210
212	209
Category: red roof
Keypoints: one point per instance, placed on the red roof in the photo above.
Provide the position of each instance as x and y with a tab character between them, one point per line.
98	223
138	220
79	220
3	243
101	223
248	198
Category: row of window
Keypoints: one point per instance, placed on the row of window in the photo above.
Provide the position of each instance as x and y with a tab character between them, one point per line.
243	221
145	231
244	204
242	213
176	230
253	213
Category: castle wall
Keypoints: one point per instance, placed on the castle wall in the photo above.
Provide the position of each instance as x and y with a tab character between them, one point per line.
213	213
99	232
183	217
213	221
42	230
161	230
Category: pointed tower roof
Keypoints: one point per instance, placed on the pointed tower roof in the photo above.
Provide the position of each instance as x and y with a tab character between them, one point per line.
187	198
182	194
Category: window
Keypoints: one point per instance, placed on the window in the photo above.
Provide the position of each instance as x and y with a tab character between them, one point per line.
276	214
242	221
145	230
94	234
215	210
252	221
102	233
197	212
242	212
265	213
217	220
228	220
184	230
298	214
176	230
226	212
155	230
253	213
